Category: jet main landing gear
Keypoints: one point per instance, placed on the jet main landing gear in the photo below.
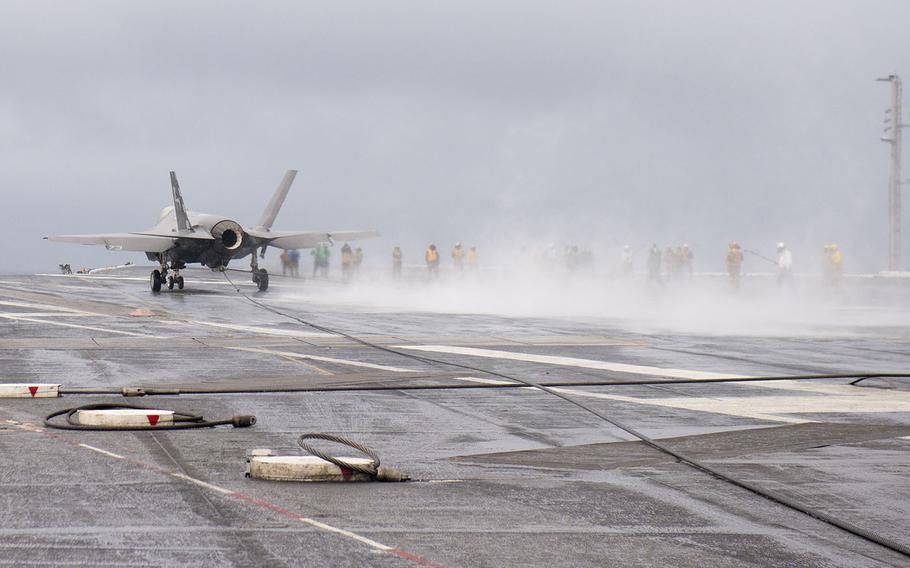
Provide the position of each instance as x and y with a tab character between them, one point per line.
261	279
260	275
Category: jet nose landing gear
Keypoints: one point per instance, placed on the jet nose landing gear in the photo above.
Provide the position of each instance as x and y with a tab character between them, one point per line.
161	277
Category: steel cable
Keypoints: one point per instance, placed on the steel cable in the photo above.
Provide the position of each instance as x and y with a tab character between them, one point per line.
370	469
692	462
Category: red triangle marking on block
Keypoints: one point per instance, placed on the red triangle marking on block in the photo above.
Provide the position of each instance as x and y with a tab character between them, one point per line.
33	390
153	418
346	473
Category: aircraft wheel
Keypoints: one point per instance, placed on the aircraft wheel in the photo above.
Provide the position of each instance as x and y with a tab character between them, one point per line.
263	281
155	280
170	282
180	282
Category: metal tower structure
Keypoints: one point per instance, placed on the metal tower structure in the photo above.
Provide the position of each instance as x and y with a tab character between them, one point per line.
892	135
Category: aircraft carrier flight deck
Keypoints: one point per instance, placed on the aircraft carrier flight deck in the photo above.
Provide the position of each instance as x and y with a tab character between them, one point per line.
500	474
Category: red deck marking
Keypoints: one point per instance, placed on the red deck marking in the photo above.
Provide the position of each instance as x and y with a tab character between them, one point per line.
153	418
414	558
237	495
33	390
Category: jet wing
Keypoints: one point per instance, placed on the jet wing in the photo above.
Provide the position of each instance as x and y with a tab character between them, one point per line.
120	241
181	234
307	239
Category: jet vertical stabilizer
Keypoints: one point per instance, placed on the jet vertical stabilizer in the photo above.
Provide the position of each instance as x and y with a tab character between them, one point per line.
183	222
271	210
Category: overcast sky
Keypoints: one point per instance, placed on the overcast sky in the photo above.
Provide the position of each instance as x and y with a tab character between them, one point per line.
495	123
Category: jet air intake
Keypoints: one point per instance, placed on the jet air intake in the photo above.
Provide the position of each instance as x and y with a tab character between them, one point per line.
228	235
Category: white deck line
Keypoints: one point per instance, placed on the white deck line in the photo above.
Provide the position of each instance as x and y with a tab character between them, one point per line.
260	330
323	359
100	451
343	532
485	381
211	487
569	362
93	277
201	483
38	306
59	323
49	314
819	398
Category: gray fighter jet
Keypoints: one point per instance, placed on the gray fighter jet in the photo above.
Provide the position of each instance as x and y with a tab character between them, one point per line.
183	237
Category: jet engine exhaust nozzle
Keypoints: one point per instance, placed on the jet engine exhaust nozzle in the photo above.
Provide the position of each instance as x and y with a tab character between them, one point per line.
228	235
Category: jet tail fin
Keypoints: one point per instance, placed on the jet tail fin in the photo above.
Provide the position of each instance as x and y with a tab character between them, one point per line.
271	210
183	221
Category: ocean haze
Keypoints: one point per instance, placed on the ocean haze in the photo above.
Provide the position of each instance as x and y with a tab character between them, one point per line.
504	124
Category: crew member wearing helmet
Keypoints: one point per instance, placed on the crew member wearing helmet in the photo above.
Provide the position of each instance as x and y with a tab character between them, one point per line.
432	258
458	257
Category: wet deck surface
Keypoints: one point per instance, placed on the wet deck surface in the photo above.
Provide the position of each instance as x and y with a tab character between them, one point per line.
502	477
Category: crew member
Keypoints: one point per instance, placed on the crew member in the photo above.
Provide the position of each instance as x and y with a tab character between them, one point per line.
472	258
321	259
458	256
432	258
734	263
347	260
294	262
396	262
358	259
626	262
835	264
784	265
686	256
671	263
654	264
285	262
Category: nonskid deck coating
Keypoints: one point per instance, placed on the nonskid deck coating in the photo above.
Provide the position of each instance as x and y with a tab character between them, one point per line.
160	498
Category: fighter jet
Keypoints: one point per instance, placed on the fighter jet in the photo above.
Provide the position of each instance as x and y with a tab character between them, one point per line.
183	237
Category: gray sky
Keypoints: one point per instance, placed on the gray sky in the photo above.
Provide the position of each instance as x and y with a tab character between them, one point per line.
493	123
